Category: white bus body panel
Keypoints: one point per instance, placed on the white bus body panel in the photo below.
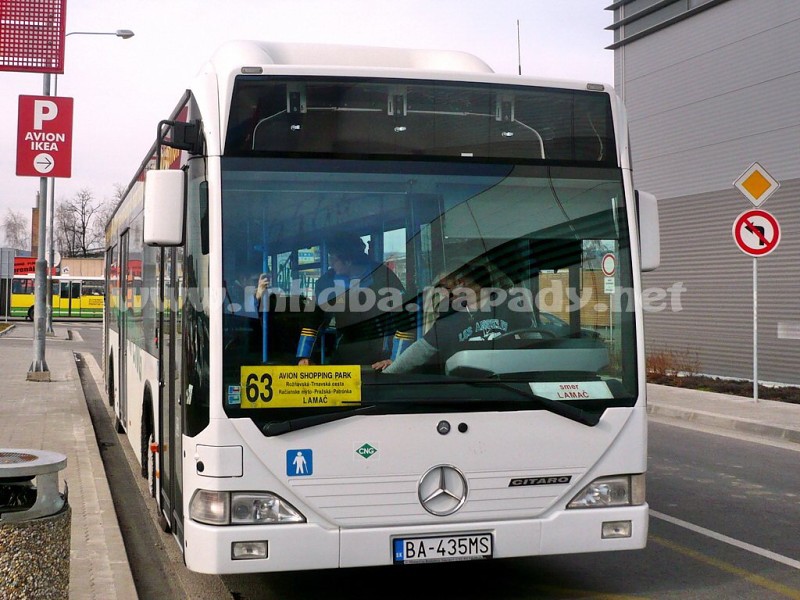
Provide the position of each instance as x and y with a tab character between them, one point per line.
144	374
356	505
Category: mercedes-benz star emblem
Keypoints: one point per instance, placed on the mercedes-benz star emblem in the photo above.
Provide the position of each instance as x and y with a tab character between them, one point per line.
442	490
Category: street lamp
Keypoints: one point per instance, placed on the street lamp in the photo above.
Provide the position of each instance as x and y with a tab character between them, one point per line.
123	33
120	33
43	316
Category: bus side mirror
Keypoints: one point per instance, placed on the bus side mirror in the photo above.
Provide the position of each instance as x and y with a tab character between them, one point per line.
164	192
649	235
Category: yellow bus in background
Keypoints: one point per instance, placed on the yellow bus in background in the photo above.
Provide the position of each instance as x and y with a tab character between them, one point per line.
76	297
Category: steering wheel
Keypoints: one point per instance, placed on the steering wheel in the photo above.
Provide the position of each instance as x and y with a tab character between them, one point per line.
545	333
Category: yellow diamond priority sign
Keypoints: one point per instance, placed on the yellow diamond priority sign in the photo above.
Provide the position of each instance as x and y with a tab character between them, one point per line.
756	184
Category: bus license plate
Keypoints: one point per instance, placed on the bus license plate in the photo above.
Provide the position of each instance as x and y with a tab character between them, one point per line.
442	549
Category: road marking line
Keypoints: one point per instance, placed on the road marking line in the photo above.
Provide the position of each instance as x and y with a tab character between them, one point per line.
763	582
573	593
785	560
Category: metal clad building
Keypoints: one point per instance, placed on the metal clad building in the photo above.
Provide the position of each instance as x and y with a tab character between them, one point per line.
712	87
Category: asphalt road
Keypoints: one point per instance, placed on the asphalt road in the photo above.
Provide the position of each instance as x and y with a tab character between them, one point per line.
723	525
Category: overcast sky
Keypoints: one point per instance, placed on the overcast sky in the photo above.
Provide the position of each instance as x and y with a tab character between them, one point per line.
122	88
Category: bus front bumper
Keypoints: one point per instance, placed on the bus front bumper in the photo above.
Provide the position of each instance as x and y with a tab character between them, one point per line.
291	547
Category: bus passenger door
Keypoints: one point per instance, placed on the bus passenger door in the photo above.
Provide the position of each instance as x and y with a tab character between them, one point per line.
122	401
70	298
169	434
55	297
62	299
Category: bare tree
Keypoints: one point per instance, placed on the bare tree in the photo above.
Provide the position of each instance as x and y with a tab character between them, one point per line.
74	225
80	222
16	229
105	210
64	229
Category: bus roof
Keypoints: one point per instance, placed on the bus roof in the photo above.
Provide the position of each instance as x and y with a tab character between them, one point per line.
238	53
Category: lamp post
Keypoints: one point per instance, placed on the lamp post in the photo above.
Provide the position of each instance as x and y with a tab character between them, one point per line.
43	304
38	370
120	33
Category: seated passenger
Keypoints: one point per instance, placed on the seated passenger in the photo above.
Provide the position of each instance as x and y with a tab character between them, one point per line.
347	297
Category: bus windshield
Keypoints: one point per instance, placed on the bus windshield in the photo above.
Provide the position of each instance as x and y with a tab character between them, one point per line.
550	319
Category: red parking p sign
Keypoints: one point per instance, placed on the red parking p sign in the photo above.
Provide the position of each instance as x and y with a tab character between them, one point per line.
44	136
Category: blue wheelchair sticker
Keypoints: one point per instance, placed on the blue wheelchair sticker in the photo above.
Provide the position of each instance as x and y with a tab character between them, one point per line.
299	462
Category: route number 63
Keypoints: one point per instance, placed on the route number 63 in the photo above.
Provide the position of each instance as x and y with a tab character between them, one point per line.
258	387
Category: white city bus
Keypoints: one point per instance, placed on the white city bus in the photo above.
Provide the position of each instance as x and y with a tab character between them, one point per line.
527	441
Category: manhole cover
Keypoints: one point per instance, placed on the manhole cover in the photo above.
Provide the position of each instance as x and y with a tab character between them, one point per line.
15	458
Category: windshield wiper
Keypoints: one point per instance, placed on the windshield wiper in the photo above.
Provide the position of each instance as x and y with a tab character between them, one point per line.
274	428
565	410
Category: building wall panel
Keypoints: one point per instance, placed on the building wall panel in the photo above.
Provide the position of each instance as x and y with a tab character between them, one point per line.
714	318
707	97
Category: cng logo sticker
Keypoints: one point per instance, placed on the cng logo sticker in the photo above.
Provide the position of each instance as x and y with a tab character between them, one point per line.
366	451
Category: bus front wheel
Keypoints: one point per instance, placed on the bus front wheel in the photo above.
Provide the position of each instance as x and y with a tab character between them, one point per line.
29	316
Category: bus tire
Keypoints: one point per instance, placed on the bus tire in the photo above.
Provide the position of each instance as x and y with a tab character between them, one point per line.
29	316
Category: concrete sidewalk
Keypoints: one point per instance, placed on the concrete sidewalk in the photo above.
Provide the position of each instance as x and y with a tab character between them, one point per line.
54	416
765	418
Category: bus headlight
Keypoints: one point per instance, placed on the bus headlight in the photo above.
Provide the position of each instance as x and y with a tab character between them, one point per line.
621	490
262	508
241	508
210	507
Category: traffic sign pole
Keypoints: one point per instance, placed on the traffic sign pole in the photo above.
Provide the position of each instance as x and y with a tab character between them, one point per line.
757	233
755	329
51	257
